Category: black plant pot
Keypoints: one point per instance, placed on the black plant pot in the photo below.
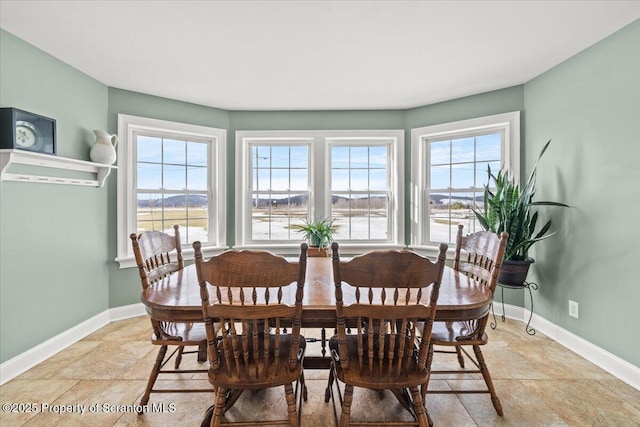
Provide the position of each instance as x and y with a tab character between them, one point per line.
514	273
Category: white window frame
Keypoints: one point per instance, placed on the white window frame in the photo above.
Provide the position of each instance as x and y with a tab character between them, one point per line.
128	127
320	143
508	123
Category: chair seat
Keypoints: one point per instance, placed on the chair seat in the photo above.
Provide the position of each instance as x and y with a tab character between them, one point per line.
183	334
263	374
400	375
447	333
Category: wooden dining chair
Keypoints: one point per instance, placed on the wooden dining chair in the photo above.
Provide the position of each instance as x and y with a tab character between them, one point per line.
158	255
479	256
252	320
382	296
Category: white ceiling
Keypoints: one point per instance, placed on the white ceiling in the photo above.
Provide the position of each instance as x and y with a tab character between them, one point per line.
314	55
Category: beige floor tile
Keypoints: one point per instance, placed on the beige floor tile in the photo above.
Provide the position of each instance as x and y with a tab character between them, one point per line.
103	403
623	390
171	409
108	360
585	402
141	368
520	407
123	330
446	409
539	382
50	368
32	395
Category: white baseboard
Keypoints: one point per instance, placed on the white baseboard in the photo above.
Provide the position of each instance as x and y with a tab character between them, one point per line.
127	311
611	363
30	358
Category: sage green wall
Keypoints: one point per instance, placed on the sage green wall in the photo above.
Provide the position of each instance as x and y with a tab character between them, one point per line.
124	285
53	257
590	106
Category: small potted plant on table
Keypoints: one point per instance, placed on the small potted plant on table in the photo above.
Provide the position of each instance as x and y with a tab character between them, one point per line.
319	234
511	209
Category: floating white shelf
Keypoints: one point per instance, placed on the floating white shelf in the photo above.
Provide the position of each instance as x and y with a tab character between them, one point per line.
9	157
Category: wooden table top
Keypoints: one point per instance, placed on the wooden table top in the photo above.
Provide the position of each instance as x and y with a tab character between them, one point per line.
177	297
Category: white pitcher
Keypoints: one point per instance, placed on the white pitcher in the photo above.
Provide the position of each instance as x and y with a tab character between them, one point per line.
104	149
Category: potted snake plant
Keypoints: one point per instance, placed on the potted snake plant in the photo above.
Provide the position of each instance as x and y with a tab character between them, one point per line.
511	208
319	234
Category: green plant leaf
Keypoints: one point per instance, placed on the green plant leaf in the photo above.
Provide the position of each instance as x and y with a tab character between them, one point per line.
511	208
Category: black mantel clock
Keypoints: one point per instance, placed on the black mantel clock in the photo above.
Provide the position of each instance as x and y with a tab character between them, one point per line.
27	131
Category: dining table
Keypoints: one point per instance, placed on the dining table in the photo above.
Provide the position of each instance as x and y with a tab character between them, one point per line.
176	298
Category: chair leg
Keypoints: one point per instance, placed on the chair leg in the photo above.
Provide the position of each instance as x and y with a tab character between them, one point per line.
202	352
425	386
345	418
303	387
179	356
291	405
419	408
154	375
487	379
460	356
221	395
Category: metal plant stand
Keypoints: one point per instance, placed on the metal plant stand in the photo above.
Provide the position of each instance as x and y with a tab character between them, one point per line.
525	285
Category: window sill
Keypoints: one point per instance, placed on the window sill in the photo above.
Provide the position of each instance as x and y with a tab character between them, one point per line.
432	251
345	248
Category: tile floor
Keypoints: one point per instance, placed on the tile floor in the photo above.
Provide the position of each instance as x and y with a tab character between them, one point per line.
539	382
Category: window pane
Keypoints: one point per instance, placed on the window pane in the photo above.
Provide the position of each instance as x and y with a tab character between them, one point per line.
462	150
440	152
482	176
462	175
149	212
175	203
262	156
174	177
149	149
439	230
279	179
197	178
198	219
299	156
359	157
264	180
197	205
149	176
279	157
340	209
379	218
339	179
439	177
378	179
174	151
339	157
299	179
378	157
196	154
488	147
359	179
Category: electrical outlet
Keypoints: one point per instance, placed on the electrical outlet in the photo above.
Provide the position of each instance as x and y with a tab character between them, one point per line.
573	309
